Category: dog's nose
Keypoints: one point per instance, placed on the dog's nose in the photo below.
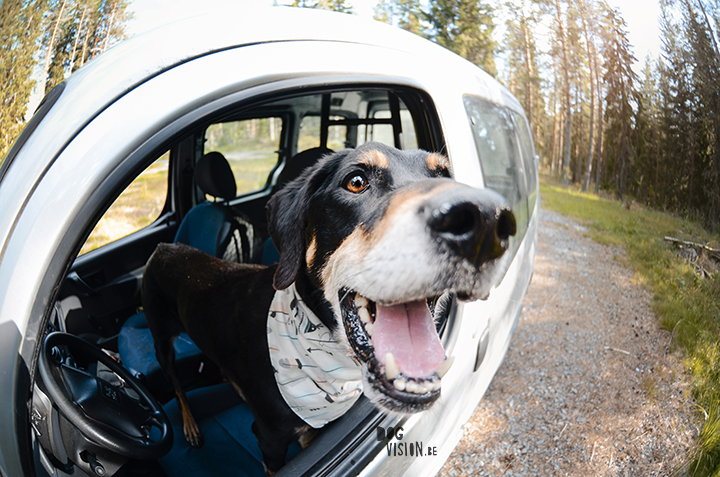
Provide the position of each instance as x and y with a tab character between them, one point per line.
477	229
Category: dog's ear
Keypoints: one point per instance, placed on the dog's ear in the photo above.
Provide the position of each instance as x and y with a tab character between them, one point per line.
287	219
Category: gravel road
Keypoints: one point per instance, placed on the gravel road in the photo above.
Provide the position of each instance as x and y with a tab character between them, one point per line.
588	387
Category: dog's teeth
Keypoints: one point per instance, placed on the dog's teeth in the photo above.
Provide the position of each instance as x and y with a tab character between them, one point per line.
444	367
422	389
400	384
411	387
436	385
364	315
361	301
391	367
369	327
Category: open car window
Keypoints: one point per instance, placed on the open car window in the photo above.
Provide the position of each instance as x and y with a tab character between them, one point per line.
251	146
139	205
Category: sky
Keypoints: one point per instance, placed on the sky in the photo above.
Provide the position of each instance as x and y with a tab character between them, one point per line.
641	17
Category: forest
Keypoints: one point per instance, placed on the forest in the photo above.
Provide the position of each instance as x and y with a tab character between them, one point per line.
49	39
652	137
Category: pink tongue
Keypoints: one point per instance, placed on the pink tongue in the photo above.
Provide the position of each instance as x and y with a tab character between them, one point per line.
408	332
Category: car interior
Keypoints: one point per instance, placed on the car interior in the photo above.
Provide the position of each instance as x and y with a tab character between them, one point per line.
208	189
207	186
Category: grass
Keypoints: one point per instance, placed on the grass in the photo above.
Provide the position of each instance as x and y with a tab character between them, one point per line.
686	304
137	207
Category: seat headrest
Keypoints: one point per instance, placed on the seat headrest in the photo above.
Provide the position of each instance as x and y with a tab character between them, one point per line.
214	176
300	161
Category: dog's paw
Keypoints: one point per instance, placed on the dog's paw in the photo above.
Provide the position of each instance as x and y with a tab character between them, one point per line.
193	436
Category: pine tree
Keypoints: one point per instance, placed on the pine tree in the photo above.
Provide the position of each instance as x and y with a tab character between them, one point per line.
589	43
405	14
332	5
522	59
86	29
704	187
646	148
620	80
465	27
21	23
562	37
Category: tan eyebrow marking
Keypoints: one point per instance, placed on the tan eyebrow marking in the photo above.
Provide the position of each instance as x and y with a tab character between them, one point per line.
310	252
374	159
438	161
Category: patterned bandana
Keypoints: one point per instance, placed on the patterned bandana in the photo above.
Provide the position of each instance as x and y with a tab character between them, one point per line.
316	375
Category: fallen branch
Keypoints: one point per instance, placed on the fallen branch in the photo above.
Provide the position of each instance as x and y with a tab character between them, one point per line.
714	252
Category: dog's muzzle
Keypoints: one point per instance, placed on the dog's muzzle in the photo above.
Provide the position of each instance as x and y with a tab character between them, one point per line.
474	223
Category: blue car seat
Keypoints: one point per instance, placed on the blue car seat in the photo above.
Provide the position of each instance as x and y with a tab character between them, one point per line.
230	445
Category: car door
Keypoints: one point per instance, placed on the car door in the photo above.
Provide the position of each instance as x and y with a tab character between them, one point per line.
102	288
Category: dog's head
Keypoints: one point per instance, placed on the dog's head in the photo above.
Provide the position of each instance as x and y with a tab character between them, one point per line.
387	237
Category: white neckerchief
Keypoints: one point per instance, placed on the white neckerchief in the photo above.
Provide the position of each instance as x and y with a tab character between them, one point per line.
316	375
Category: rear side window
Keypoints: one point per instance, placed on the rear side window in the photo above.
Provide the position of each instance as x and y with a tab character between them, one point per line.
528	153
309	135
500	157
251	146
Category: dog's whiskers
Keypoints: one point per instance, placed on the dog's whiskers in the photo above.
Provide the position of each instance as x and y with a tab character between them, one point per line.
345	295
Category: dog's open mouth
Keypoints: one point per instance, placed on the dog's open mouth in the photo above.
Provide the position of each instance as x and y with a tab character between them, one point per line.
400	345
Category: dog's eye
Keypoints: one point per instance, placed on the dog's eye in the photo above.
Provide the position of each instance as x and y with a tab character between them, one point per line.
356	183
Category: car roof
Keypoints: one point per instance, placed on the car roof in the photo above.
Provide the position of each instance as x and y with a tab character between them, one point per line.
110	76
139	58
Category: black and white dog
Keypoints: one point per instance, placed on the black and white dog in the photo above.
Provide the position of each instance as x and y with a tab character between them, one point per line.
372	242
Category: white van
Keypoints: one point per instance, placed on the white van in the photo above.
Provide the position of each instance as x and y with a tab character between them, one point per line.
103	173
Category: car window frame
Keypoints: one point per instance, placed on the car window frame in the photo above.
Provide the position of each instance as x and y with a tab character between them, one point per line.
155	143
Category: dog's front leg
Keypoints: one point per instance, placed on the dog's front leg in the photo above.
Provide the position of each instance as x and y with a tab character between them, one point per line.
166	356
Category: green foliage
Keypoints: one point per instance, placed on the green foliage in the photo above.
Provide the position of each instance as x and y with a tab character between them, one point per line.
333	5
406	14
522	69
620	82
21	26
59	36
465	27
686	304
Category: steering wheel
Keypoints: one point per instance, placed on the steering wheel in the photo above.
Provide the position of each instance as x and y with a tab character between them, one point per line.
103	413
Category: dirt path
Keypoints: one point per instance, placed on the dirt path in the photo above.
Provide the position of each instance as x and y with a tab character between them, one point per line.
587	387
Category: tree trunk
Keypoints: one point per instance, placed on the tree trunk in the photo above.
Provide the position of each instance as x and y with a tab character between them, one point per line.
106	42
579	146
601	152
531	73
77	38
693	148
554	151
593	73
657	161
50	47
709	29
568	112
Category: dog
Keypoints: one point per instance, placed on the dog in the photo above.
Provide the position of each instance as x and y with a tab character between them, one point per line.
374	242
